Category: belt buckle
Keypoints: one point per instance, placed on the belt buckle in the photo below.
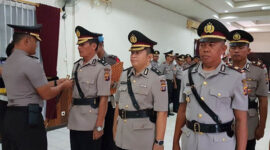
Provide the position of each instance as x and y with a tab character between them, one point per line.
196	127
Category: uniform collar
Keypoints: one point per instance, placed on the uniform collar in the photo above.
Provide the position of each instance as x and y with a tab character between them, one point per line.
144	73
18	51
92	61
247	65
220	69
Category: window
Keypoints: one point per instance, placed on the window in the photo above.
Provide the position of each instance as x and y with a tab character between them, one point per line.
14	13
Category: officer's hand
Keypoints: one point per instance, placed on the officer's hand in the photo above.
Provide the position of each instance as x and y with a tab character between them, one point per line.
259	132
158	147
97	134
61	80
176	146
67	83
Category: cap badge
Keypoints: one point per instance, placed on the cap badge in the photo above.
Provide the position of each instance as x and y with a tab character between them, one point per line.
133	38
78	33
209	28
236	36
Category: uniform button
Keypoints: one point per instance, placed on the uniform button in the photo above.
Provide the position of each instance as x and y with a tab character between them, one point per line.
126	106
87	82
201	133
219	94
199	115
90	110
188	99
204	83
223	140
134	81
125	121
80	70
202	98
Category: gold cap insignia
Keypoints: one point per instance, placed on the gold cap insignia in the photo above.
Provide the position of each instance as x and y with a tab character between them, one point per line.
133	39
236	36
209	28
78	33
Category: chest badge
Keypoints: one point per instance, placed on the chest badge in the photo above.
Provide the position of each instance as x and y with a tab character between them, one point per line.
163	86
107	74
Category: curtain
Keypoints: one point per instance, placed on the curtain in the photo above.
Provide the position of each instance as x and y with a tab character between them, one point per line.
49	17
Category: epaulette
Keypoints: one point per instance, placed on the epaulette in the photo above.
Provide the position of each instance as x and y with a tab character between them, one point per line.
77	61
190	66
103	62
258	64
238	69
33	57
155	70
127	68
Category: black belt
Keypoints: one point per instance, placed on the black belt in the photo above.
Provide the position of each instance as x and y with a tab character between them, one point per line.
19	108
93	102
252	104
135	114
209	128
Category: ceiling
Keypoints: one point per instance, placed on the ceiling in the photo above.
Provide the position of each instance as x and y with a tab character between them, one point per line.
249	15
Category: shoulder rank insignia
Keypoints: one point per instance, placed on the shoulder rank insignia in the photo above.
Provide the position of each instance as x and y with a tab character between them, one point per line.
258	64
163	86
155	70
103	62
107	74
238	69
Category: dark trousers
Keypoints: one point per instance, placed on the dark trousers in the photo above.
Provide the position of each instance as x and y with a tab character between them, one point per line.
83	140
251	144
176	93
19	135
3	107
107	138
170	93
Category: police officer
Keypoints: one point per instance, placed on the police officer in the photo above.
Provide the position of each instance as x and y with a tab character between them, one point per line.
107	138
155	62
212	95
188	62
178	77
196	59
256	80
90	94
141	112
27	87
168	69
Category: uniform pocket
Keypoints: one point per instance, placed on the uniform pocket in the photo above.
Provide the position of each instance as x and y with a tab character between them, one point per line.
123	88
186	131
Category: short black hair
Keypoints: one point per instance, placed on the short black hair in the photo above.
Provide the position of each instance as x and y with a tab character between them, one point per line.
9	49
17	37
91	41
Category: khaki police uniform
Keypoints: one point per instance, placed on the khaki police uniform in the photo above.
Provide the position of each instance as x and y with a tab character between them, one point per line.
22	74
93	83
107	138
139	98
210	111
222	90
257	86
150	91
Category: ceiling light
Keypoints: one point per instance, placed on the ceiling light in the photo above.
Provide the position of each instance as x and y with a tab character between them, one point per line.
265	7
250	5
229	17
230	4
216	16
226	11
